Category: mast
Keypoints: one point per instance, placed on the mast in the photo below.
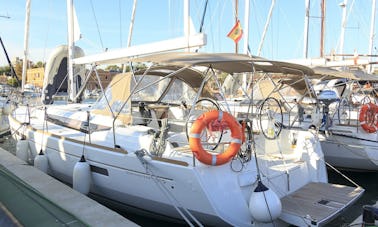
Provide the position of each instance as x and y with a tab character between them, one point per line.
130	30
307	17
131	24
343	26
371	43
236	21
246	38
186	22
246	27
266	27
71	81
26	45
322	28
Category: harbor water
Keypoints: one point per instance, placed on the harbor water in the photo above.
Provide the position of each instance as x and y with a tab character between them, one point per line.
367	180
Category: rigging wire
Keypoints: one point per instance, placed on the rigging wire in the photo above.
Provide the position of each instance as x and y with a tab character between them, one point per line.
47	33
257	18
169	195
203	16
170	15
98	28
120	22
214	19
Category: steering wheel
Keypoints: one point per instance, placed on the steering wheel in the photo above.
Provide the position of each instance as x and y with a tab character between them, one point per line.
210	139
271	118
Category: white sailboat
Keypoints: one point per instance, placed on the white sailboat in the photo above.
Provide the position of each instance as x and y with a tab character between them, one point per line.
136	145
158	141
345	145
349	136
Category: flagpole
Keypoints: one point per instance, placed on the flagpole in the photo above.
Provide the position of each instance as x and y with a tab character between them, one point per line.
246	27
236	21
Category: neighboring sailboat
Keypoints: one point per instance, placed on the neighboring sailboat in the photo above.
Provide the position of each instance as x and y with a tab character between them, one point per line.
349	132
334	103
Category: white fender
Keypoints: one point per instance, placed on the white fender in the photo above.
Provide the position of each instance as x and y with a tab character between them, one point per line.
22	149
40	162
264	205
81	180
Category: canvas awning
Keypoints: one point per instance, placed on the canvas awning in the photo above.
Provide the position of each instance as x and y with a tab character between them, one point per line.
114	98
226	62
327	73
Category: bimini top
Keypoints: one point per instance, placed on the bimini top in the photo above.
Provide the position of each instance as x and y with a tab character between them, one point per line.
226	62
327	73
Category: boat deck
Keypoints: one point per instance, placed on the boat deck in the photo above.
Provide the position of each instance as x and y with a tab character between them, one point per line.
317	203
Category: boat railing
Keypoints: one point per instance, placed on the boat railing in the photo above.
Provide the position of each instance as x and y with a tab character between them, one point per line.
347	113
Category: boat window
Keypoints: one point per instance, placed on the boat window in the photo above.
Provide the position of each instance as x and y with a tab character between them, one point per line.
152	88
115	102
179	92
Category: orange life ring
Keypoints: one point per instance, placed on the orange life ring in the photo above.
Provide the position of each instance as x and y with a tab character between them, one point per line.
368	117
195	138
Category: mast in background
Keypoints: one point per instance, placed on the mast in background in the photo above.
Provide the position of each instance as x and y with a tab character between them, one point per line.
26	45
322	28
236	21
131	28
246	38
186	23
131	24
307	19
343	26
246	27
71	80
371	43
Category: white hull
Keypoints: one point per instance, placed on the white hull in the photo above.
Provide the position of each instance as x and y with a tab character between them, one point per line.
121	177
215	195
348	146
350	152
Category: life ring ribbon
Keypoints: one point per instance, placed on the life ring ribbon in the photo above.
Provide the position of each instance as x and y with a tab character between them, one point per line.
368	117
195	138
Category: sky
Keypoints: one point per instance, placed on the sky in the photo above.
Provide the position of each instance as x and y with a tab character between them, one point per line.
105	25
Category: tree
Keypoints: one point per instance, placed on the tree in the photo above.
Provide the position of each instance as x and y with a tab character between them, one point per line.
18	70
114	68
5	70
39	65
12	82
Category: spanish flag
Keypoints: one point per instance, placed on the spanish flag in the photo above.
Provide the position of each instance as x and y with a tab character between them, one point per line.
236	32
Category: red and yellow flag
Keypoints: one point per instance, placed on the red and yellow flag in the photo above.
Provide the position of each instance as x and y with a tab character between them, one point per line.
236	32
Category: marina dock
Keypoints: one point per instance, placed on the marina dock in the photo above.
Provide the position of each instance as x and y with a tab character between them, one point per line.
29	197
